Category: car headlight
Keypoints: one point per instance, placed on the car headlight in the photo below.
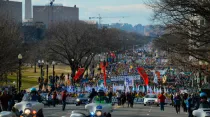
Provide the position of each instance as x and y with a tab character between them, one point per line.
27	111
77	100
92	113
98	113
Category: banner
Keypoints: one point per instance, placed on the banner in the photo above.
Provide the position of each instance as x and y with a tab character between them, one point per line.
129	81
122	78
143	75
79	73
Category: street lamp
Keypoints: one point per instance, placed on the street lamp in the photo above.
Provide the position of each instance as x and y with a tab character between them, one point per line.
20	57
53	63
41	63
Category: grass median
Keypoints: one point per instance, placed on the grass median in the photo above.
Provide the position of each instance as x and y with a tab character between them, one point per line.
29	78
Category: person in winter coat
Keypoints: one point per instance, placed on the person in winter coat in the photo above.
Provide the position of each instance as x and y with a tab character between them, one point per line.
63	98
129	99
4	98
110	96
93	94
54	97
118	98
177	103
123	99
162	98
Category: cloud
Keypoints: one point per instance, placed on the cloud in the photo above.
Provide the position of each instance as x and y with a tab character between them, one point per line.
126	8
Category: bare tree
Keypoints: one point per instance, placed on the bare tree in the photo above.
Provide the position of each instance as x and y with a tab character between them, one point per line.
73	43
10	46
186	28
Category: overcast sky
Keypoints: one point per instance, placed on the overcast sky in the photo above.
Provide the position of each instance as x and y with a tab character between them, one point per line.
134	11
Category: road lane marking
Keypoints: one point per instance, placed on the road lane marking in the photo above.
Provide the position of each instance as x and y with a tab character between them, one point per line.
150	109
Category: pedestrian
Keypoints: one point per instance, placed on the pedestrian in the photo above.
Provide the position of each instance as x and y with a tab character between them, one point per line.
172	100
54	98
123	99
4	100
49	99
129	98
110	96
118	98
162	98
132	99
63	98
177	102
185	95
190	104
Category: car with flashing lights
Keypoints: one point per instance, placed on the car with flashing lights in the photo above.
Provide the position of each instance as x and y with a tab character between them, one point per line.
151	99
99	107
82	99
29	108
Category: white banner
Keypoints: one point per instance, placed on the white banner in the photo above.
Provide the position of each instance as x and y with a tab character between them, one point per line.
129	81
122	78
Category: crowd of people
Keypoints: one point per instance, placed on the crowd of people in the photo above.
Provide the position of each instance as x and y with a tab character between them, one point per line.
188	102
8	97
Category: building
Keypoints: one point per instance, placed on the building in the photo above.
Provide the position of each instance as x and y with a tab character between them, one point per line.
33	32
56	13
11	10
28	10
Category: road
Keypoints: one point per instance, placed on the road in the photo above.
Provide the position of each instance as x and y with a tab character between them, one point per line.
138	111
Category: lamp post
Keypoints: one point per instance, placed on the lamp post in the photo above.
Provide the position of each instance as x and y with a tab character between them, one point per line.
41	63
20	57
53	63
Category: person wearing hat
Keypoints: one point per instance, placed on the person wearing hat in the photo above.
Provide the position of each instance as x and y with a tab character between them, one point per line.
33	94
202	103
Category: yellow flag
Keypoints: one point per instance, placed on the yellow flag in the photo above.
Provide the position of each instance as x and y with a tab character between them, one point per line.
164	79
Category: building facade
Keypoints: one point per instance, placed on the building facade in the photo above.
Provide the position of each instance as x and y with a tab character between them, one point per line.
28	9
11	10
57	13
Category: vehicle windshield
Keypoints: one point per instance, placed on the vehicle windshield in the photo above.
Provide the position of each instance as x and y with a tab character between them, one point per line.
151	96
100	99
204	105
83	96
26	97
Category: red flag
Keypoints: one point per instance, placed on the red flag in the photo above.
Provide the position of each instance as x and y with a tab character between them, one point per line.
144	75
113	55
79	73
103	66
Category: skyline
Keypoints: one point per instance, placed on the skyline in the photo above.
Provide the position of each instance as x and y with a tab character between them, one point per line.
134	11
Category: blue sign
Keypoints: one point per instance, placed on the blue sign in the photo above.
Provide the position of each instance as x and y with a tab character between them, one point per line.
29	105
99	107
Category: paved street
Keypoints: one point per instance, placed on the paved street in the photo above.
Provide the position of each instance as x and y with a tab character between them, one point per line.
138	111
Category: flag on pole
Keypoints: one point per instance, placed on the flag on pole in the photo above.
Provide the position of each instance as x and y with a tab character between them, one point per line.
144	75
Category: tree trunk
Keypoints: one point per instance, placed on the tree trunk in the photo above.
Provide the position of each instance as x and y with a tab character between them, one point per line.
73	73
